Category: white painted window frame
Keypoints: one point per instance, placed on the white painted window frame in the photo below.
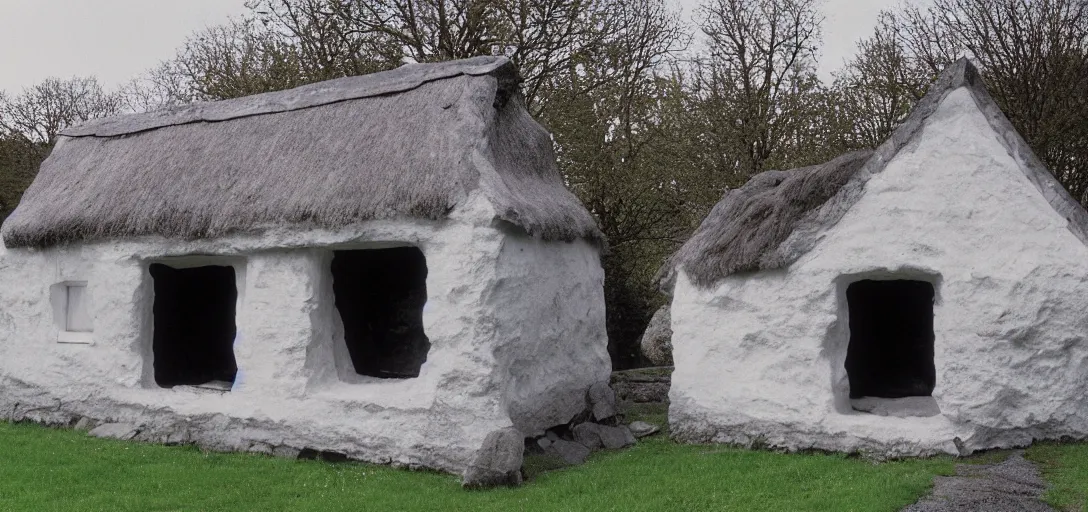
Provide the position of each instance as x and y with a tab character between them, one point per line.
74	326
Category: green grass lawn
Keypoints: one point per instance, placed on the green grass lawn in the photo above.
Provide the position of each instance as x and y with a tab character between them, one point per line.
63	470
1065	468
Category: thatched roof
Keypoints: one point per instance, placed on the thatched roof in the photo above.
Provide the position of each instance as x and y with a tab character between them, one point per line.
411	142
778	216
749	223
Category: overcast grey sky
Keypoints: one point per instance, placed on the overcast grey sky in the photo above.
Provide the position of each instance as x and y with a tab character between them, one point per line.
117	39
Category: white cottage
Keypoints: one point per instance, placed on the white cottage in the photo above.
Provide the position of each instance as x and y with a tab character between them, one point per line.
931	296
388	267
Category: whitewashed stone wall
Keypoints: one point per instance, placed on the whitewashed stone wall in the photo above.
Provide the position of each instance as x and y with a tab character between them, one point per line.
504	315
759	358
548	300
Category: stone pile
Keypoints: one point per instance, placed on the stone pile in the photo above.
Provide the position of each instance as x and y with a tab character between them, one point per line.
600	427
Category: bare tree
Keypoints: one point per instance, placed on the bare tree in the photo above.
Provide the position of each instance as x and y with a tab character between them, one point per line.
543	37
42	111
236	59
878	87
547	39
31	122
165	85
758	81
428	30
615	140
333	38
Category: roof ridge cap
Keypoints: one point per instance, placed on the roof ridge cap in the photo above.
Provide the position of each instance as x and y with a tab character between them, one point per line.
399	80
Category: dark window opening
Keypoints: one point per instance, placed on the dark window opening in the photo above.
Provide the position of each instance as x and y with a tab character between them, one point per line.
194	327
890	354
380	295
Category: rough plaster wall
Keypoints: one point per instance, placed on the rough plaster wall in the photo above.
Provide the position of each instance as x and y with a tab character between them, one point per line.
289	394
759	358
549	298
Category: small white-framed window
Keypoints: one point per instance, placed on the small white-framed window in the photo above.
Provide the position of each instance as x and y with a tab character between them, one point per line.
72	312
78	316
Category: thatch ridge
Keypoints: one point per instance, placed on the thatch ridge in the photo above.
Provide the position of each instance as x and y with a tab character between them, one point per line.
402	79
336	157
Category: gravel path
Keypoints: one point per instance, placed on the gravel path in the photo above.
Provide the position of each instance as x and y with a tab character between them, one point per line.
1013	485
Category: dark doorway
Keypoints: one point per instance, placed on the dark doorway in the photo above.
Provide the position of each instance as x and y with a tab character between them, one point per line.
891	339
194	325
380	295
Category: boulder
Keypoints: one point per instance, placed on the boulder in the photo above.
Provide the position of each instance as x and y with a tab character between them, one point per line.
569	451
641	429
602	401
122	431
656	342
614	438
588	435
498	461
